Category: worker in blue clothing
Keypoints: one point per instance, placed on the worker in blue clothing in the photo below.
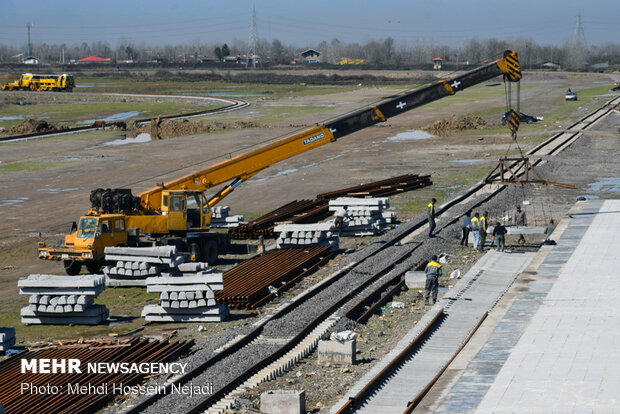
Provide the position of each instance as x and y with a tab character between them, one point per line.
466	228
433	271
430	214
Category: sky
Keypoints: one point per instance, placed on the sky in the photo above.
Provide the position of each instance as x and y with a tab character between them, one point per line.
306	23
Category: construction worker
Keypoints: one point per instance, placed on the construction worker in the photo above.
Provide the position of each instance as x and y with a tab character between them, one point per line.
466	228
482	230
549	229
340	214
520	219
475	229
499	236
433	271
430	214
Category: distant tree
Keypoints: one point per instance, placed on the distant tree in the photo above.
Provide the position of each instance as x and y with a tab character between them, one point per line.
225	50
278	54
218	53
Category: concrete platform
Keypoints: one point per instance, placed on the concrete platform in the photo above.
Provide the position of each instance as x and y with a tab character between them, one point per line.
554	348
464	306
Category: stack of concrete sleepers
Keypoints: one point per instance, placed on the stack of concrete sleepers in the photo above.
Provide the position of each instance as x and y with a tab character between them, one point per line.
221	218
7	338
132	265
305	235
366	216
189	298
62	300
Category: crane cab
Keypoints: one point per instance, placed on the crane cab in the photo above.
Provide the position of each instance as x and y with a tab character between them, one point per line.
186	210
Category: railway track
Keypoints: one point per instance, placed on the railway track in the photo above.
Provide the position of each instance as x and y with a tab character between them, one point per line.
230	105
383	261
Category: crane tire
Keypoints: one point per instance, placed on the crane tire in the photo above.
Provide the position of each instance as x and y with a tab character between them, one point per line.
94	268
210	252
72	268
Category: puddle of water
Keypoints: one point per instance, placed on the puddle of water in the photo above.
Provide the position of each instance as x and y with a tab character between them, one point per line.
252	112
412	135
471	161
116	117
281	173
587	197
142	138
57	190
606	184
20	103
13	202
10	118
72	159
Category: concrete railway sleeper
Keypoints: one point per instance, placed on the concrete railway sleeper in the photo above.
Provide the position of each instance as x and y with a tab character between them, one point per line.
475	196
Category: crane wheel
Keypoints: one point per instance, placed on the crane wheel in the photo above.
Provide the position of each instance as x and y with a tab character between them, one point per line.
210	252
72	268
94	268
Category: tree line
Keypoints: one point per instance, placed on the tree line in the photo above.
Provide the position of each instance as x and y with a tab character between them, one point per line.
573	55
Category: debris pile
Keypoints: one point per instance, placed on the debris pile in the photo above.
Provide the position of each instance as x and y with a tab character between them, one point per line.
222	218
305	235
455	123
186	296
63	300
7	338
134	264
29	126
365	216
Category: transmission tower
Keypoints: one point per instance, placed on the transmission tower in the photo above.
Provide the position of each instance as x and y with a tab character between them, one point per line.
579	35
253	39
29	26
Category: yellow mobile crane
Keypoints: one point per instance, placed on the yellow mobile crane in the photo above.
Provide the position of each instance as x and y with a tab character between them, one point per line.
164	216
37	82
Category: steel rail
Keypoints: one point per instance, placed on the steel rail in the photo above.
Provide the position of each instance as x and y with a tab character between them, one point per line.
291	306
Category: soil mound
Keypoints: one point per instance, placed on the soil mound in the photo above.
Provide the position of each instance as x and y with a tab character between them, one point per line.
29	126
166	128
455	123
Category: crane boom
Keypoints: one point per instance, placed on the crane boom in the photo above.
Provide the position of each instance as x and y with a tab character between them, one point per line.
244	166
178	212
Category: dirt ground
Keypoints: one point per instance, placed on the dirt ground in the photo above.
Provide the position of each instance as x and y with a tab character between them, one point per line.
45	183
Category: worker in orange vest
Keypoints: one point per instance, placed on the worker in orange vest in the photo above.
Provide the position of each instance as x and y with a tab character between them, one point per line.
482	229
433	271
475	229
430	214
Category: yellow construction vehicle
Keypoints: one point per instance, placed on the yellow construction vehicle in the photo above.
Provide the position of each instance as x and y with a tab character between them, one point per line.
37	82
179	213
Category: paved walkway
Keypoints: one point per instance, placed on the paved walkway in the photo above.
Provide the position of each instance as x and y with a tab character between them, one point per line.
555	349
476	293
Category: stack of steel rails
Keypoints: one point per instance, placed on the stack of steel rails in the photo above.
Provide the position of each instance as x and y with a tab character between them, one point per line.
258	280
311	211
298	211
50	393
383	188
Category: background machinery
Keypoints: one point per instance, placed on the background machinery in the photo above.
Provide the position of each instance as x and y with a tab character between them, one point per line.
179	212
37	82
